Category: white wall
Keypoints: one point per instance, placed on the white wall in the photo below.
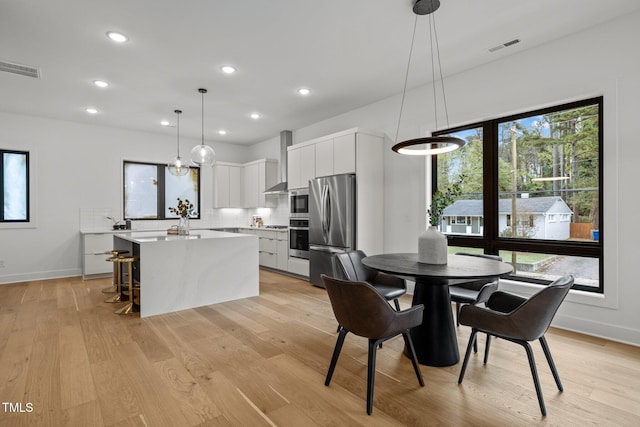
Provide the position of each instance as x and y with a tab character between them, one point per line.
600	61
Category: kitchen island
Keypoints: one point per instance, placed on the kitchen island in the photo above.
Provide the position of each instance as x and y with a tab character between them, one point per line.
182	272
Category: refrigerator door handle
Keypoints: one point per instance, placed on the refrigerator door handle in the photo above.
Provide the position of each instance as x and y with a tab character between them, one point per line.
328	249
323	212
328	212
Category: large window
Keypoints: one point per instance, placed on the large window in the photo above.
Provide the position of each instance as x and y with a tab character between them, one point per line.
150	190
14	181
532	190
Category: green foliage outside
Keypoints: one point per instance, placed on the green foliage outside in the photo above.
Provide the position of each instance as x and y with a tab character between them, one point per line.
559	144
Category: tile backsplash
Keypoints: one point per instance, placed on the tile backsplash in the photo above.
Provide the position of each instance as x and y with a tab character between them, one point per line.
95	219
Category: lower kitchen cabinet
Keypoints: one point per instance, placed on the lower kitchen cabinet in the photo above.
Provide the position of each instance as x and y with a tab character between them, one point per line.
94	258
298	266
273	246
283	251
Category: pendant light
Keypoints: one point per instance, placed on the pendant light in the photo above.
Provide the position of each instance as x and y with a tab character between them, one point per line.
177	167
428	145
203	155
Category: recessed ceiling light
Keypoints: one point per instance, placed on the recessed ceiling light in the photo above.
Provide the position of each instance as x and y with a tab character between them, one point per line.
117	37
91	110
222	132
228	69
255	116
165	123
304	91
100	83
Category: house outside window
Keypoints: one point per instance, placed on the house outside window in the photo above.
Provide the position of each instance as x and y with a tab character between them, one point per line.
534	181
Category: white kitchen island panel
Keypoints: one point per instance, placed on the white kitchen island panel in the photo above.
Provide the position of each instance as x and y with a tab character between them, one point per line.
182	272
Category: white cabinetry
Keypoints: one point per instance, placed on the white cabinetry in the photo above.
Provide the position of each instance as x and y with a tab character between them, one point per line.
336	156
298	266
358	151
95	260
301	165
257	177
282	250
241	185
273	247
227	185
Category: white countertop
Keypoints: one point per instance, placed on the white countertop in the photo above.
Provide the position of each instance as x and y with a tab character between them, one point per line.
164	230
159	236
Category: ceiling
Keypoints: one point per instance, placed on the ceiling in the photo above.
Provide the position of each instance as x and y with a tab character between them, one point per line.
349	53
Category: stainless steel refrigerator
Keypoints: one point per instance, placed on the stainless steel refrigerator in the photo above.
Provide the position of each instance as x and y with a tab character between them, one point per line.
332	222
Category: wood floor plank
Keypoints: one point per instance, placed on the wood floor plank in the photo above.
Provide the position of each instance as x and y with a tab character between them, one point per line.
14	365
116	395
155	402
86	414
76	383
188	395
42	387
238	410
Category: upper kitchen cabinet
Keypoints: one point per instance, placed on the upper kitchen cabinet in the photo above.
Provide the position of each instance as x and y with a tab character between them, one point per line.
228	192
336	155
257	176
301	165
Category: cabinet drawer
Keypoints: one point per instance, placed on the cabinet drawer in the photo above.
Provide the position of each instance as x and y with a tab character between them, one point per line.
298	266
97	243
268	245
97	264
269	234
268	259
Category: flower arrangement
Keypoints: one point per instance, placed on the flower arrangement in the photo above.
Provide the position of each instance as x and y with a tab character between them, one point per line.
441	199
184	209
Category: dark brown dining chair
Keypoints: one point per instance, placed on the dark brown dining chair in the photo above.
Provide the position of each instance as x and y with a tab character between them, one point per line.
469	291
518	320
363	311
349	267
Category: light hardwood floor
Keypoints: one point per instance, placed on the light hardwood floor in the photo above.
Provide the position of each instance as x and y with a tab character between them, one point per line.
262	361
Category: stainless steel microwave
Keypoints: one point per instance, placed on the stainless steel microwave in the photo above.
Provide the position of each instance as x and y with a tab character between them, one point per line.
299	203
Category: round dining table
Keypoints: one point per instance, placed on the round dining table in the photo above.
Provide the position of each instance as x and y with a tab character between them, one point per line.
435	340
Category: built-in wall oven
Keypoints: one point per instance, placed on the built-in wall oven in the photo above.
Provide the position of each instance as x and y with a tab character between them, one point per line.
299	203
299	238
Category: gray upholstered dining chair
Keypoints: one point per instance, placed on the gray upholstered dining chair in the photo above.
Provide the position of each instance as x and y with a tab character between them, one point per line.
472	291
349	267
518	320
363	311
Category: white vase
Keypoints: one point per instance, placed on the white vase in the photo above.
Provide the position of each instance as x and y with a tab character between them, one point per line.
432	246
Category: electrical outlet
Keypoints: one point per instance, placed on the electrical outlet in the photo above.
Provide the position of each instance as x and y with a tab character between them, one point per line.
1	263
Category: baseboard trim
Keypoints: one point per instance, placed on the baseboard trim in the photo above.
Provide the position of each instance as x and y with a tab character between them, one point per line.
39	275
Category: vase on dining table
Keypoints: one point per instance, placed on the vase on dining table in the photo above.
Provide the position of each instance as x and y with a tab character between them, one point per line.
432	246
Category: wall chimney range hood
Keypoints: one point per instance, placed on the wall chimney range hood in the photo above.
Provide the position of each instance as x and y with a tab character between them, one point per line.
286	139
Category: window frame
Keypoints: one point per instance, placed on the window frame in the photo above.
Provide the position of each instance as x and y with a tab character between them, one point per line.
491	242
28	189
161	192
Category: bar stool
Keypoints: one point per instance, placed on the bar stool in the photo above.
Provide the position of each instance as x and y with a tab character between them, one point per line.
131	307
116	276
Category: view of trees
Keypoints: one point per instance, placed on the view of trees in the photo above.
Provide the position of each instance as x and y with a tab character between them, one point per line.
555	154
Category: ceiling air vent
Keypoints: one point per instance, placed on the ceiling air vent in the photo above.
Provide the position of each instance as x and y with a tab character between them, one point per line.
22	70
503	45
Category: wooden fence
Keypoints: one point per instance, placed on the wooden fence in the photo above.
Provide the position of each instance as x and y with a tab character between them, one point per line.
581	230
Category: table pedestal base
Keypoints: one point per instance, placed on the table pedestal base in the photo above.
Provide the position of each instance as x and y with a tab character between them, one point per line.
435	340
